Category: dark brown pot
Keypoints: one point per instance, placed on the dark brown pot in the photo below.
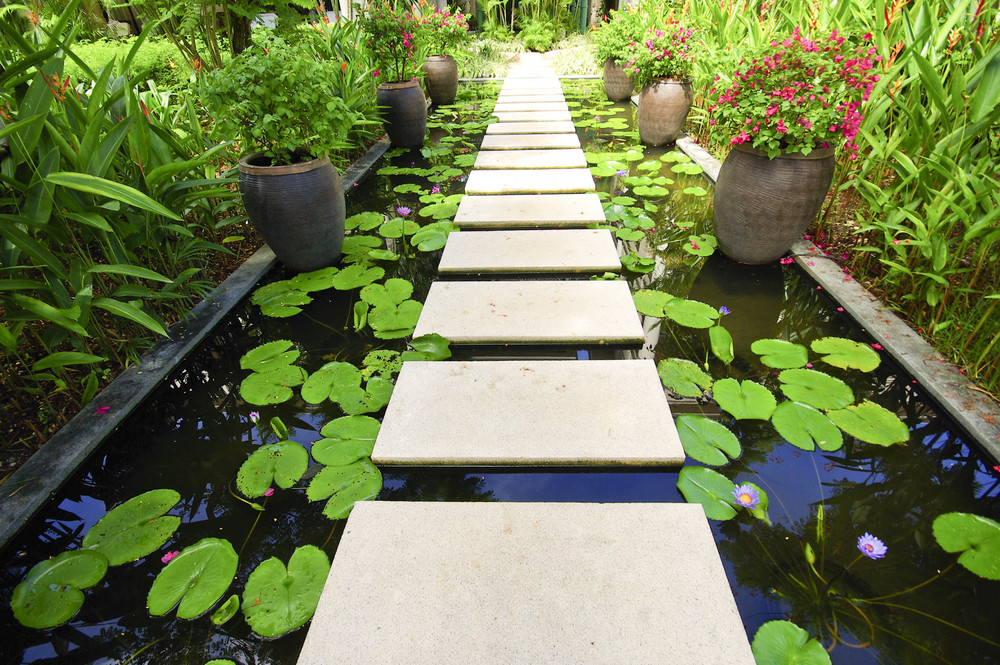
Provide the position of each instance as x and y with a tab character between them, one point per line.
404	112
298	209
763	206
618	85
663	108
441	79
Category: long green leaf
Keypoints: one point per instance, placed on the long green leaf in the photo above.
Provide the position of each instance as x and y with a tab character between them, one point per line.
99	186
130	270
63	358
49	313
130	312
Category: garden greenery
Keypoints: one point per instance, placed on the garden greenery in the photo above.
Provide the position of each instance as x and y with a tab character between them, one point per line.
662	53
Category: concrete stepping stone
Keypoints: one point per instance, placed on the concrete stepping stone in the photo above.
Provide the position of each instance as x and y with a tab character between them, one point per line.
530	96
561	251
532	116
531	312
560	127
506	583
529	211
572	158
527	181
529	141
509	107
547	83
529	413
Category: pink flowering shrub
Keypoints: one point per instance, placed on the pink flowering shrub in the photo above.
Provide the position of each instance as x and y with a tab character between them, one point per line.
662	53
441	31
391	41
796	95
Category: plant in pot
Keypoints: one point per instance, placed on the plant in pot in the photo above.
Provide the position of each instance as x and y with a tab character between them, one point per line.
661	65
785	110
392	42
613	43
278	99
439	34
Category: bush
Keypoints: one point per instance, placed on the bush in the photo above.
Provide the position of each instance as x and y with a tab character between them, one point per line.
156	59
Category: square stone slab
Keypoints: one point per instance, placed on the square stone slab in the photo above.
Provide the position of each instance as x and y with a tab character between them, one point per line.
559	127
535	312
542	82
571	158
532	116
507	107
529	181
530	96
420	583
562	251
529	141
529	211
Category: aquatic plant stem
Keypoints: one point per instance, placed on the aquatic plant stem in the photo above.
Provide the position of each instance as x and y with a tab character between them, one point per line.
912	588
939	620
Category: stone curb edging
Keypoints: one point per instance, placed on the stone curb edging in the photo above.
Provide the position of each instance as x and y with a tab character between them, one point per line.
975	411
45	472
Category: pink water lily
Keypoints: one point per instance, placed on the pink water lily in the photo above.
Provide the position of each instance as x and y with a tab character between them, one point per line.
169	556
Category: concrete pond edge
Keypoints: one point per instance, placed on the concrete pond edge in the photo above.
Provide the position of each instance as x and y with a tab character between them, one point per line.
43	475
970	407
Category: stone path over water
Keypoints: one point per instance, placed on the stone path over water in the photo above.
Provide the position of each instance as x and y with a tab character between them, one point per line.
528	583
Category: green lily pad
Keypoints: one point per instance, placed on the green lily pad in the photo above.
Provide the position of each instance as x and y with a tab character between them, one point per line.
381	361
846	353
638	264
344	486
721	343
695	191
346	439
804	427
135	528
328	380
284	305
226	611
390	322
355	401
393	292
690	313
196	578
709	488
780	354
277	600
976	537
650	165
272	387
674	157
701	245
871	423
746	400
629	235
353	277
365	221
270	356
651	303
316	280
650	191
633	155
784	643
705	440
397	228
816	389
687	168
408	187
433	236
354	245
50	594
443	210
428	347
283	463
638	181
683	377
383	255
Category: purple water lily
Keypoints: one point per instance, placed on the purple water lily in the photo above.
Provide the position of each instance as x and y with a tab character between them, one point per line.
872	547
747	496
724	310
403	211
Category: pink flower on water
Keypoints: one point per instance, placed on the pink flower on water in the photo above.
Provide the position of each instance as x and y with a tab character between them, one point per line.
877	346
169	556
786	261
254	416
101	410
269	491
435	189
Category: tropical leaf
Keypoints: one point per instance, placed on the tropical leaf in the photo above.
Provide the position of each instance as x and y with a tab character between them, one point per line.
135	528
51	593
83	182
705	440
744	399
277	600
196	578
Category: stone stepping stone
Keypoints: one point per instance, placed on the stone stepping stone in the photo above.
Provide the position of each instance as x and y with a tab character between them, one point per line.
528	413
529	141
531	312
561	127
531	71
531	159
529	97
527	181
518	107
529	211
547	83
497	583
532	116
561	251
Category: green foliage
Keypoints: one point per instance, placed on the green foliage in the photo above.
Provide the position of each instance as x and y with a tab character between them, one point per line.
683	377
273	374
283	463
343	486
744	399
784	643
871	423
51	593
196	579
846	353
804	427
616	35
709	488
135	528
277	600
976	537
816	389
346	440
391	33
780	354
156	59
707	441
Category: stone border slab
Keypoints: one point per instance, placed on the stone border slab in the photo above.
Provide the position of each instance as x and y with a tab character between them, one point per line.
557	127
530	142
562	251
540	97
531	312
415	583
530	181
513	107
533	116
529	211
548	158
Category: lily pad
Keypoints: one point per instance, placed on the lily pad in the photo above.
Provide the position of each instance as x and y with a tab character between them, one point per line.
277	600
638	264
976	537
316	280
695	191
629	235
709	488
346	439
393	292
345	486
651	303
397	228
428	347
781	354
687	168
784	643
804	427
270	356
701	245
391	322
649	165
226	610
407	188
353	277
721	344
283	463
433	236
285	304
442	210
196	578
705	440
355	401
675	157
365	221
272	387
135	528
50	594
871	423
846	353
683	377
746	400
328	380
690	313
354	245
816	389
650	191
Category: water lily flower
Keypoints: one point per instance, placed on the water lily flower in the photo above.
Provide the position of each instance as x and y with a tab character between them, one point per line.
872	547
435	189
747	496
169	556
269	491
724	310
254	416
403	211
101	410
621	172
877	346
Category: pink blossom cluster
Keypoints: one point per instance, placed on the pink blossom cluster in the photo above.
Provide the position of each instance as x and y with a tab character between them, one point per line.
662	54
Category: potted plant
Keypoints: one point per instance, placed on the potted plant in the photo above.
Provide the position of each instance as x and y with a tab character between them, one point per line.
440	32
392	42
785	110
613	43
661	64
277	99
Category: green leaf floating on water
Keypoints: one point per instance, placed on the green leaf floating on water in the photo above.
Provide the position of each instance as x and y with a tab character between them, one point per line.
428	347
651	303
272	387
344	486
270	356
683	377
784	643
341	383
51	593
639	264
687	168
650	191
690	313
316	280
650	165
709	488
674	156
721	343
277	600
397	228
816	389
804	427
780	354
846	353
220	661
701	245
871	423
353	277
442	210
976	537
283	463
406	188
433	236
391	322
284	305
354	245
695	191
705	440
393	292
135	528
366	221
196	578
746	400
629	235
225	612
346	440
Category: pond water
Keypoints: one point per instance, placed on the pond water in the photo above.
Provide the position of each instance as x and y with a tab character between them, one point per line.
913	606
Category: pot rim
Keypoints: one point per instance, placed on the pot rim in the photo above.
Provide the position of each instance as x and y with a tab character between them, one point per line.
282	169
668	79
439	56
397	85
817	153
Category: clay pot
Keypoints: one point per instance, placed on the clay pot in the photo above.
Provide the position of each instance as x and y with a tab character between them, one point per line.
440	79
663	108
404	112
618	85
